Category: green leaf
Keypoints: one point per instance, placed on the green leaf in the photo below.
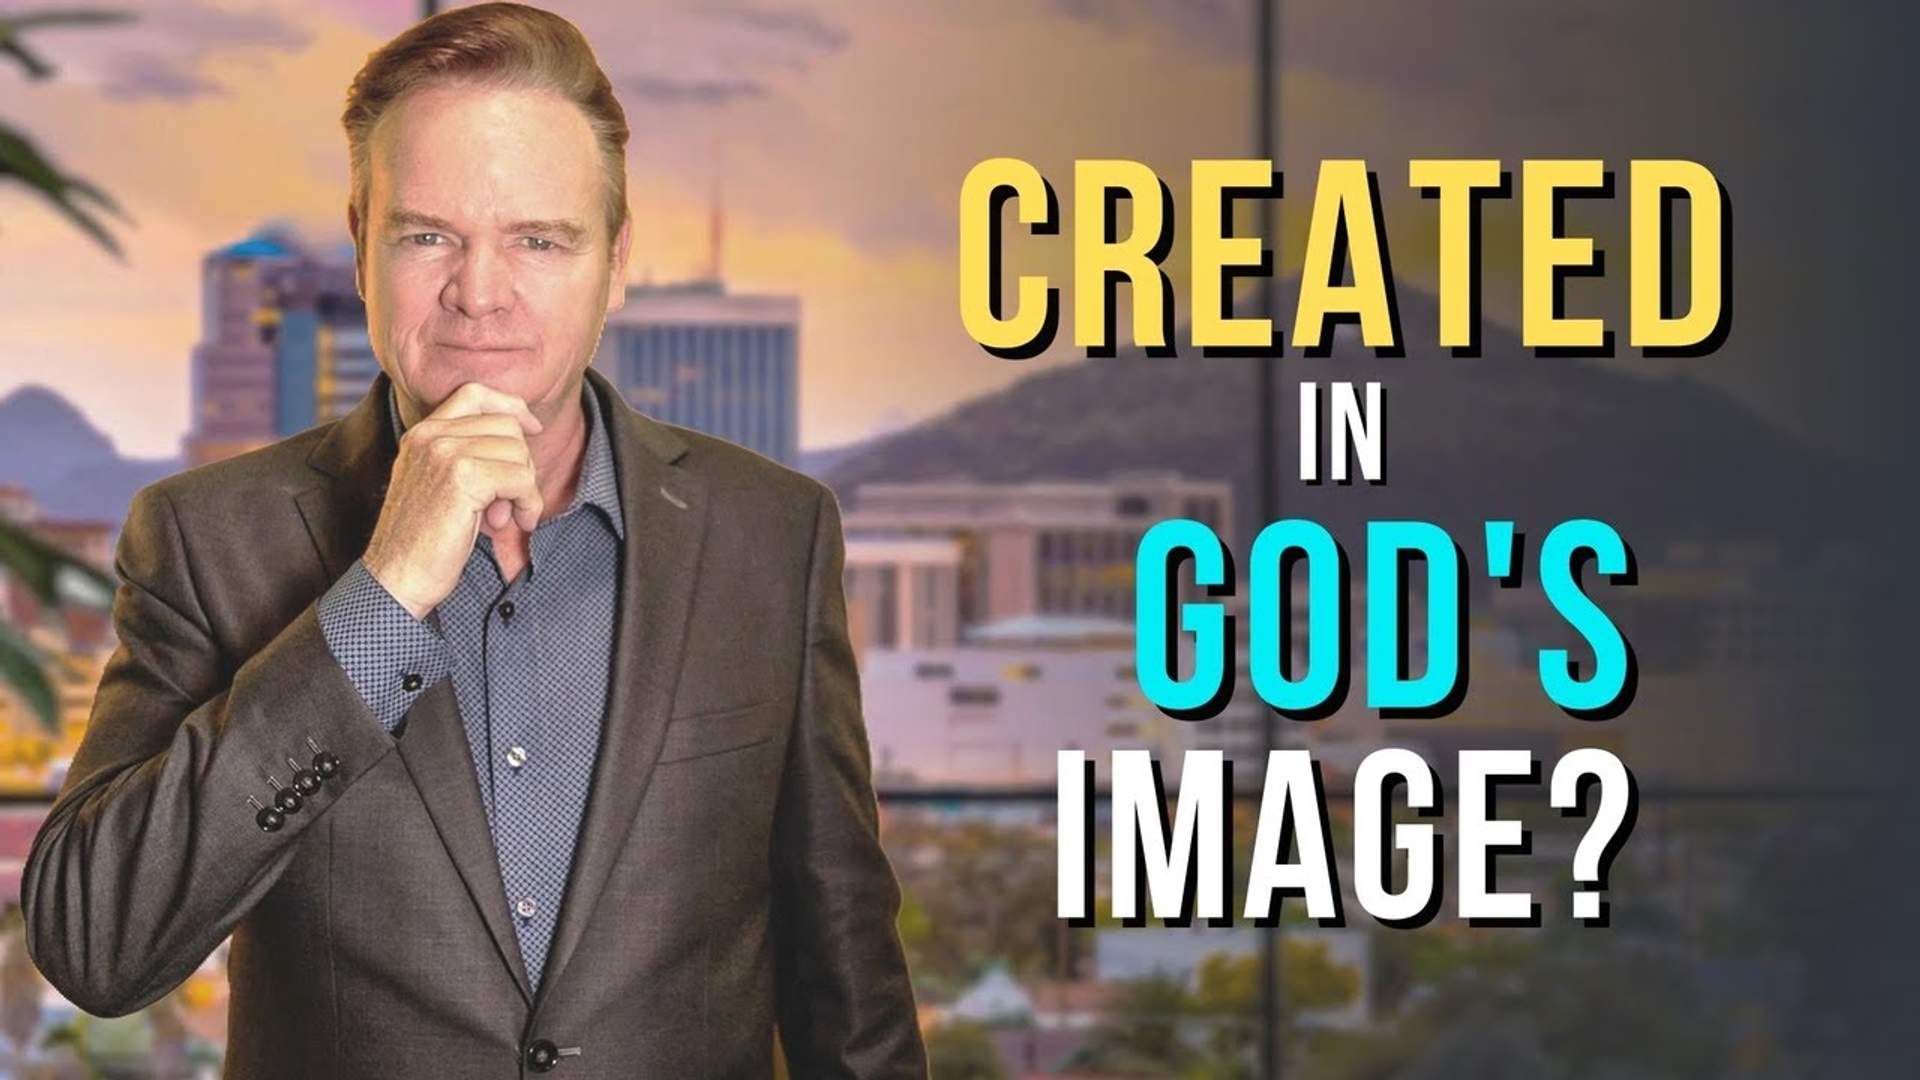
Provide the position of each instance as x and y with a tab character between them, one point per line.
22	671
11	26
55	577
23	161
20	159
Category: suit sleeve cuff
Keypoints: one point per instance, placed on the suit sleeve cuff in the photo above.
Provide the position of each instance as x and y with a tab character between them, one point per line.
390	657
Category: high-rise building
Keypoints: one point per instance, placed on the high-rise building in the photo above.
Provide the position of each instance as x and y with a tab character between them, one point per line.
324	360
723	363
233	396
283	345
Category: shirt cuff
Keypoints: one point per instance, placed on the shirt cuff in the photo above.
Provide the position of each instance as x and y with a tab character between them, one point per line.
390	657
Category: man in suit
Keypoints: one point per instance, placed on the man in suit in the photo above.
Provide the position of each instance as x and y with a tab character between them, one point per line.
504	729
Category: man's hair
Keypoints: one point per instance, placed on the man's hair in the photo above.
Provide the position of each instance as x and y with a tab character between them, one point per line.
497	45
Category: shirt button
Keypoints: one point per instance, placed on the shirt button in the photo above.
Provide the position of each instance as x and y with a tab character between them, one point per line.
410	682
517	756
506	609
527	908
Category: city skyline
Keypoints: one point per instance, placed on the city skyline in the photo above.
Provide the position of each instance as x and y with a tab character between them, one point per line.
272	82
992	510
207	121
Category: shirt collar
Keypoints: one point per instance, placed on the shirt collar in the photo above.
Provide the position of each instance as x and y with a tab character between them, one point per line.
599	484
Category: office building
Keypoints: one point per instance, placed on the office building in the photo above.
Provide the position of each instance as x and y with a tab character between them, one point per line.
283	345
997	708
1040	547
902	593
699	356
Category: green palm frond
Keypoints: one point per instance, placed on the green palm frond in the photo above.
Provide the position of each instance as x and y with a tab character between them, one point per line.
23	670
56	579
13	25
21	160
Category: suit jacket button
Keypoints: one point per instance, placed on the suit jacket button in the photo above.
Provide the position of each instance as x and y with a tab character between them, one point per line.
326	764
542	1055
269	819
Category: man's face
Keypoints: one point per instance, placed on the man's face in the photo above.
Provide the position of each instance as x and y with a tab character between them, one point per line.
485	254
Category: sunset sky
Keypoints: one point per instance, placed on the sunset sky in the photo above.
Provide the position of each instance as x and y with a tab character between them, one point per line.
838	134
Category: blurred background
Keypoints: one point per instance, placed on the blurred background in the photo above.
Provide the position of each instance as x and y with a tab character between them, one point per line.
176	287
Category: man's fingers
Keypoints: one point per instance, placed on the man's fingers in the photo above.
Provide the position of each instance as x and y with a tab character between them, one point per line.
486	423
472	398
526	517
484	481
498	513
508	448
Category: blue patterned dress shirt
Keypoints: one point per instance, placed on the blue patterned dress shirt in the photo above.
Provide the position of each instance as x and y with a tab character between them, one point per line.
530	661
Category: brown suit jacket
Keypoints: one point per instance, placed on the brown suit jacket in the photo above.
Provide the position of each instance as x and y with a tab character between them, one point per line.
728	874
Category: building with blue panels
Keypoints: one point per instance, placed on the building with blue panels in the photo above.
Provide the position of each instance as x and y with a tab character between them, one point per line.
283	345
723	363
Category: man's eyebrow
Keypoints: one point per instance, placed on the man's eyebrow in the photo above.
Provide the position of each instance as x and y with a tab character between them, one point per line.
400	219
568	228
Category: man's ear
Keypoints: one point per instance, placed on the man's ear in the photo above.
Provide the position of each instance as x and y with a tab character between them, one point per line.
359	251
617	281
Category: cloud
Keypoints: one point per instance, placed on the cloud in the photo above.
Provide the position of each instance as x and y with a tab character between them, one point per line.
167	54
805	27
1506	56
701	56
1223	27
676	90
139	75
217	28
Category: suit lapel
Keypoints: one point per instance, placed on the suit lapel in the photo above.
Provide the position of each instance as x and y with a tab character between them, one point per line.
357	453
440	761
665	509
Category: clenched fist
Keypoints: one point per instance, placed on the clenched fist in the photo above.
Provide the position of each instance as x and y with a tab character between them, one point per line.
467	459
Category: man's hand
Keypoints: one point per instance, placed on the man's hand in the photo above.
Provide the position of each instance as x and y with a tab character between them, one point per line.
468	458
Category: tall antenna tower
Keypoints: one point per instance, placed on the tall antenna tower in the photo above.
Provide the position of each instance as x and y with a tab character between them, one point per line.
716	232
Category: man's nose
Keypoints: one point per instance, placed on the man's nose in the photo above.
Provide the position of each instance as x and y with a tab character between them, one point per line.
482	283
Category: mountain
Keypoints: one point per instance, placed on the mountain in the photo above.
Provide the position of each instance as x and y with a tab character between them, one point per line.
821	462
1503	435
72	468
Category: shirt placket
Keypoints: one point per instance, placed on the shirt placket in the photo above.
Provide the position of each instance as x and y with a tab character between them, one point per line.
523	756
460	618
515	764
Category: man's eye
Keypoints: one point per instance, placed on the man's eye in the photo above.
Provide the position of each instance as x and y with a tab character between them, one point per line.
425	239
540	243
